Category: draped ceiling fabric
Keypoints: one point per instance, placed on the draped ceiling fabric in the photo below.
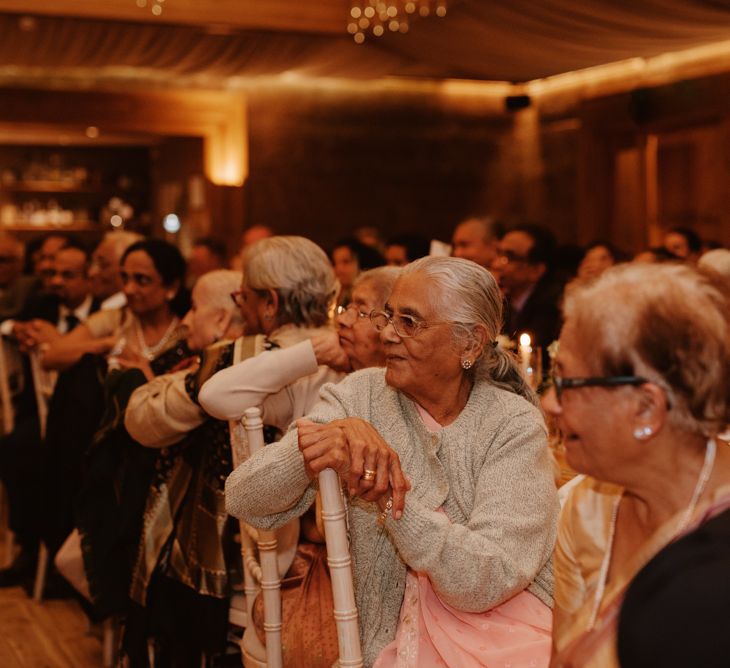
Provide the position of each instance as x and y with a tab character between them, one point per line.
516	41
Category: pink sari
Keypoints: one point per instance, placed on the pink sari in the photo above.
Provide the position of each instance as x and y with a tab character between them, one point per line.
515	634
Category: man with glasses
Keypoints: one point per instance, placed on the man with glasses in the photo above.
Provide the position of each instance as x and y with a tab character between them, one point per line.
523	269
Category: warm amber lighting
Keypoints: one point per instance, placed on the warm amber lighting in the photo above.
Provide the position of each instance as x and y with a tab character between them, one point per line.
627	74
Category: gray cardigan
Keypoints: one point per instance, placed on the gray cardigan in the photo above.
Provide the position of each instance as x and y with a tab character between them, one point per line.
489	470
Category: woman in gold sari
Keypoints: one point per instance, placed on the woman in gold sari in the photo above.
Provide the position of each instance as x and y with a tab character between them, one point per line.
640	394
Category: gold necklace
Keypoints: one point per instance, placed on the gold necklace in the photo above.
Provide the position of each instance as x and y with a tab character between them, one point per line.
703	478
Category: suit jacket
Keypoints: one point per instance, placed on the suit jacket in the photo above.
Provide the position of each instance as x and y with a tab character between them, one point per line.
539	317
14	297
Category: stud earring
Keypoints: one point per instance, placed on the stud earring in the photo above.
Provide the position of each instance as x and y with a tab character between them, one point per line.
642	433
466	364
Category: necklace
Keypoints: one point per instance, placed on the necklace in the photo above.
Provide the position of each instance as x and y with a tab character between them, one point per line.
150	352
702	480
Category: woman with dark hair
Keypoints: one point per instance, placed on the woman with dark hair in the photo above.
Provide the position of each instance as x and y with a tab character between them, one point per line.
349	258
598	256
142	340
152	272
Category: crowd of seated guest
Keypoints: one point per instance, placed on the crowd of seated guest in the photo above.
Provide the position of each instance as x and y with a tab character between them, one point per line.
401	379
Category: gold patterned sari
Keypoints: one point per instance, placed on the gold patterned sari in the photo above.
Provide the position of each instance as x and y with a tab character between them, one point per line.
583	538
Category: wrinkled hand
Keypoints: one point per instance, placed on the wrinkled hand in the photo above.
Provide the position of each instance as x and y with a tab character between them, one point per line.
329	352
350	446
130	358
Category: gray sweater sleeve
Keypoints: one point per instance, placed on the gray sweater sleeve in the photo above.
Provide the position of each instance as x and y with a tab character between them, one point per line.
508	539
272	487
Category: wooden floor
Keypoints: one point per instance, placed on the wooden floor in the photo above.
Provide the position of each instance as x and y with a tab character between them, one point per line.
51	634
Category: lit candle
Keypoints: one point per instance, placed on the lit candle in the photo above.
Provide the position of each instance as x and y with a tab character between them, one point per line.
525	351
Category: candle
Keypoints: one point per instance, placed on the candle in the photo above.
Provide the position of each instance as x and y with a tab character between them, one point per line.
525	351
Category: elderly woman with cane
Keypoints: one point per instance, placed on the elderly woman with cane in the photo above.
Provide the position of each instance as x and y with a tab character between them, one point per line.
453	510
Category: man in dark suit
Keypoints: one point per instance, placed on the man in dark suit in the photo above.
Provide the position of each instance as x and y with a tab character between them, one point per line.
14	287
44	319
532	296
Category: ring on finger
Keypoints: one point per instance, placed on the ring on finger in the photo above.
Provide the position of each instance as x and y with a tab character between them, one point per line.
368	475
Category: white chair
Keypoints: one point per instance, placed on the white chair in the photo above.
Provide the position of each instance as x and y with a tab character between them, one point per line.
334	516
260	573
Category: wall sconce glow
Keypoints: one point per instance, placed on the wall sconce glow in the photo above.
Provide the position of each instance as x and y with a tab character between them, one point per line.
171	223
92	132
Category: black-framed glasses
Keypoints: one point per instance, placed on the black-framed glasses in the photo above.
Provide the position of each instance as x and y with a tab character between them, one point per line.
405	326
560	384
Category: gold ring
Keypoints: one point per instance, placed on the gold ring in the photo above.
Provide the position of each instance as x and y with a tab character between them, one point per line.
369	475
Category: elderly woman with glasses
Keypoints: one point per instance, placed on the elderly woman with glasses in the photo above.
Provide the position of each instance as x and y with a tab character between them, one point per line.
453	511
640	396
355	345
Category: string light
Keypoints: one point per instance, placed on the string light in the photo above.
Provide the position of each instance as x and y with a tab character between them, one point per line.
374	17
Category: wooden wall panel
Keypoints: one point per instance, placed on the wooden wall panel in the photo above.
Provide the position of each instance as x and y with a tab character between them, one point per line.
325	163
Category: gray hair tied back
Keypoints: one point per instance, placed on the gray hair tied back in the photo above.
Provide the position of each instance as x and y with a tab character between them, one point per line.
469	296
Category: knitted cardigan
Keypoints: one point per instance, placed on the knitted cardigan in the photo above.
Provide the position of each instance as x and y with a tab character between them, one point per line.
489	470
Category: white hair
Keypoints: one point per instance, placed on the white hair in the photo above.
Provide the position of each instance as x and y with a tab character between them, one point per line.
468	295
299	271
716	261
214	289
382	280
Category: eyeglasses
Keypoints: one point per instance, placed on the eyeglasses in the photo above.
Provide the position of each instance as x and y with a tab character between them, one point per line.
405	326
237	297
510	257
341	310
560	384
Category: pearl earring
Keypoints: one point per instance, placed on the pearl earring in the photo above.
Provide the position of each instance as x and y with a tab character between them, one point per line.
642	433
466	364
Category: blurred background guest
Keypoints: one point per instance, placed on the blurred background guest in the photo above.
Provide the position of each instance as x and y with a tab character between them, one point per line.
477	239
640	394
14	286
104	272
523	267
683	243
350	257
598	256
404	248
207	254
249	237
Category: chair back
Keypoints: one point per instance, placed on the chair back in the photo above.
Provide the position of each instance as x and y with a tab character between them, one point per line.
334	517
259	556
